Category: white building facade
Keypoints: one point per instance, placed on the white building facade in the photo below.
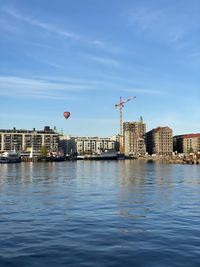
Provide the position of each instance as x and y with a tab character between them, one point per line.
94	145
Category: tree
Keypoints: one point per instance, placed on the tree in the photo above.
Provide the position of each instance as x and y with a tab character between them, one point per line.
43	152
190	150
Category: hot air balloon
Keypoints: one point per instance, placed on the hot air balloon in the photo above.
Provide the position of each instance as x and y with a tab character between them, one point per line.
66	114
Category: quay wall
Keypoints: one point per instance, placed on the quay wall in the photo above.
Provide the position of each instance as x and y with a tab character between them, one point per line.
169	160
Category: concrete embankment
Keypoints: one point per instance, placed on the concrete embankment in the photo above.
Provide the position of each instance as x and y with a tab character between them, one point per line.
174	160
170	160
184	161
27	159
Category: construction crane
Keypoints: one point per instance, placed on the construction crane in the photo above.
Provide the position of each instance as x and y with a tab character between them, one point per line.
121	105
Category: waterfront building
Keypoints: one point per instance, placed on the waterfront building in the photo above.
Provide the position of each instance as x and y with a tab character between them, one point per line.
28	140
134	138
159	141
116	139
187	143
94	145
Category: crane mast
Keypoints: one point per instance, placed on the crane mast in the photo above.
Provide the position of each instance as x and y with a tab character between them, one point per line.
121	105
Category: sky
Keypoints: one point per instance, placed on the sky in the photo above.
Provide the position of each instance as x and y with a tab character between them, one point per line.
82	55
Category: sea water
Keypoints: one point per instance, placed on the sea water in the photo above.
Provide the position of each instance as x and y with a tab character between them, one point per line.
99	213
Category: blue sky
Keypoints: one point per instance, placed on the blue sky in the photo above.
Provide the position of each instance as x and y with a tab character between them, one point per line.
81	56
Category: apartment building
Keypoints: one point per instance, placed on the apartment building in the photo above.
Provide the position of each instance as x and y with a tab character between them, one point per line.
134	138
159	141
187	143
93	145
24	140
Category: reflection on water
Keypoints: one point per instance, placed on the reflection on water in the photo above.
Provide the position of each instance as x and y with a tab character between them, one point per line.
103	213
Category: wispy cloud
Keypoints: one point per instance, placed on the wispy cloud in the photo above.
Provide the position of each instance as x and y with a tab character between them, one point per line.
144	91
6	26
69	80
45	46
50	28
104	60
163	23
45	61
24	87
34	22
193	58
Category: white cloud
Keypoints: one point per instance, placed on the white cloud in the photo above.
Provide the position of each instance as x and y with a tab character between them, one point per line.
24	87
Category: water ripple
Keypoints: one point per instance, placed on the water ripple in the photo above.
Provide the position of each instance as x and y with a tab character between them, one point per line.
126	213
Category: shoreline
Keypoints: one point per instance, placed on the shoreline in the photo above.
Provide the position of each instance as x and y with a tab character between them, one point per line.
167	160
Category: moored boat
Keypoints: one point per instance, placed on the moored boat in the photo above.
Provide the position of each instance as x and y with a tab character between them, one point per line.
106	155
59	158
10	157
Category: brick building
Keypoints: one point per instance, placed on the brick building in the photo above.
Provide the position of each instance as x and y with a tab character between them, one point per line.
187	143
159	141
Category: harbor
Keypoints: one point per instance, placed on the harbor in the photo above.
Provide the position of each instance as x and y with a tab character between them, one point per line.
99	133
106	156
